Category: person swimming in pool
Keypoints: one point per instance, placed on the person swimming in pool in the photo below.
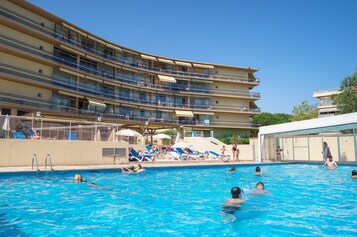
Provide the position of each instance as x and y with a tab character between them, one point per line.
233	204
79	179
259	189
331	165
233	169
139	167
354	174
258	171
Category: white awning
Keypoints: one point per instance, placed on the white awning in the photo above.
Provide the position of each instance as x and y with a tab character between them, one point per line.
74	29
166	61
183	64
95	102
113	47
182	113
167	78
202	65
148	57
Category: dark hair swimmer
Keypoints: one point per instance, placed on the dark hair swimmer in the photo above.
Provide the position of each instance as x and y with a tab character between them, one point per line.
257	169
354	174
236	192
232	169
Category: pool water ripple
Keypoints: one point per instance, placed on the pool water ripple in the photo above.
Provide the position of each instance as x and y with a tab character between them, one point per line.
303	200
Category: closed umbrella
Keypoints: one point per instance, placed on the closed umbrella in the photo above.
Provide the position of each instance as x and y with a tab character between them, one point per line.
98	136
177	140
112	136
162	136
6	126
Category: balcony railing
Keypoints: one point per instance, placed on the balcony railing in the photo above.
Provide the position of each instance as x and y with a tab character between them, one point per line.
31	103
15	17
61	83
48	56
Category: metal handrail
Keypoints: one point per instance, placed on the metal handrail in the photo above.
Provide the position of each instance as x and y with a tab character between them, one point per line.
48	158
34	158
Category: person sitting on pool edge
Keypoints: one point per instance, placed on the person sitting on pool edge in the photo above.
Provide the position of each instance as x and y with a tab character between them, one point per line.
331	165
233	169
257	171
354	174
128	170
79	179
259	189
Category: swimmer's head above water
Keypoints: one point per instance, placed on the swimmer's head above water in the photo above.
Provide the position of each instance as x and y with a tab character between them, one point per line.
236	192
354	173
233	169
260	185
257	169
78	178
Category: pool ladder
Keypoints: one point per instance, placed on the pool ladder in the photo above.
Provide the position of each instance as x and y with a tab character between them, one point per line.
47	160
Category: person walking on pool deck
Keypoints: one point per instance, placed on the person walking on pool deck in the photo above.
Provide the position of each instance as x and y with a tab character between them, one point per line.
278	153
326	151
235	152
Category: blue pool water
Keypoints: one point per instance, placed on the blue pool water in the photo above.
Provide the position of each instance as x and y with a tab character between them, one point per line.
303	200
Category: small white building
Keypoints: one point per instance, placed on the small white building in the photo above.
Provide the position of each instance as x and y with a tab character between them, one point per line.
302	140
325	106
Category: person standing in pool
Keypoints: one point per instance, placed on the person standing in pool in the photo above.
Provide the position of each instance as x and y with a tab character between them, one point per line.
326	153
331	165
354	174
257	171
233	204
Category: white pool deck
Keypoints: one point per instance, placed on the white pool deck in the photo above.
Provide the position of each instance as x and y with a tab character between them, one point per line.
158	163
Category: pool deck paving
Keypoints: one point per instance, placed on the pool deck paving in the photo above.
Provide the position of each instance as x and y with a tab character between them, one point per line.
154	164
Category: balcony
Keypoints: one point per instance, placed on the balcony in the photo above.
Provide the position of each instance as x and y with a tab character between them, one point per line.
28	23
17	45
59	82
32	104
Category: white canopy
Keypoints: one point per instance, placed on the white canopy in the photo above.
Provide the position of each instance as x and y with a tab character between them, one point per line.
128	133
161	136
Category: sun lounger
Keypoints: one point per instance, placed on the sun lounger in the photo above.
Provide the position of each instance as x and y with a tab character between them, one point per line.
173	155
71	135
144	156
19	135
216	156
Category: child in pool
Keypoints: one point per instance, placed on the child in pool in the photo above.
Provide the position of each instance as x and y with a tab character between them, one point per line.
259	189
331	165
354	174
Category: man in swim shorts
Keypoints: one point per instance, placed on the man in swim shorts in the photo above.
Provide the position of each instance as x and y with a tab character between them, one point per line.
354	174
331	165
233	204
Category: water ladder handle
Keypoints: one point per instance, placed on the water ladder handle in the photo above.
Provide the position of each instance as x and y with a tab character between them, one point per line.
34	157
48	157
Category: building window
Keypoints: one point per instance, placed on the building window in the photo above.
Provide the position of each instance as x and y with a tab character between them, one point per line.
40	71
41	47
42	24
39	95
216	102
217	117
5	111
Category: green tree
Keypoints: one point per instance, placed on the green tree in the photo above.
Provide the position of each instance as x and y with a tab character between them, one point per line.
265	119
304	111
346	100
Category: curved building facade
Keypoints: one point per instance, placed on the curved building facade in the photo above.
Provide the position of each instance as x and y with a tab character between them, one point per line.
50	65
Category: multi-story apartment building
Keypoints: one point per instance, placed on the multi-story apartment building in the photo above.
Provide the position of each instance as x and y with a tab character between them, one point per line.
326	106
50	65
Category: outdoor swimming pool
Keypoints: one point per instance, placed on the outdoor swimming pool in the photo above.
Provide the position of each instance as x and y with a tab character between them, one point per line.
303	201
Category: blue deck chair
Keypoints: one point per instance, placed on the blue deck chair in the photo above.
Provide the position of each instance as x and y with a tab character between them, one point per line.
19	135
71	135
135	156
148	147
215	155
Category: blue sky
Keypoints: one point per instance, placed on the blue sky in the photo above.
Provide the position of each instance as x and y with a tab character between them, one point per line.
298	45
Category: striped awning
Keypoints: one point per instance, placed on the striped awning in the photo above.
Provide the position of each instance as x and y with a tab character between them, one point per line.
183	113
166	78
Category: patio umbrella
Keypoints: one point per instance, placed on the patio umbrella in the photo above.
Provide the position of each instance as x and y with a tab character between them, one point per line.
181	145
128	133
161	136
6	125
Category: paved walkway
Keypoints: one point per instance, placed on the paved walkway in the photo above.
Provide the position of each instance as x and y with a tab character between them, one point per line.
157	163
